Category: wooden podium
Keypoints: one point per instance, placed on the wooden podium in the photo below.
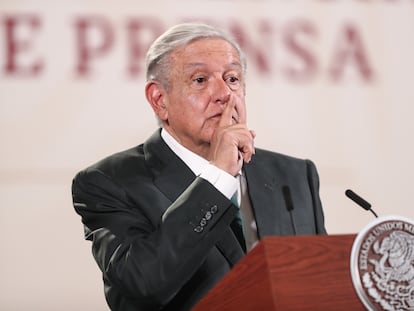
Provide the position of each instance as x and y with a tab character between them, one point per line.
289	273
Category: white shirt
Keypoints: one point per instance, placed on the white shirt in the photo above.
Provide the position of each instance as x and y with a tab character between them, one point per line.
223	181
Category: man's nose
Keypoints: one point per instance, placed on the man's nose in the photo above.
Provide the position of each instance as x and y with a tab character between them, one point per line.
221	92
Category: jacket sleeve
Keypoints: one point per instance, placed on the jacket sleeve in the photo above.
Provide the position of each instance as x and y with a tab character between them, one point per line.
149	262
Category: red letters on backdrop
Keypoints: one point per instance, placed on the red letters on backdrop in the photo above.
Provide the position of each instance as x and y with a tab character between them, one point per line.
141	32
18	48
85	28
95	38
350	50
294	30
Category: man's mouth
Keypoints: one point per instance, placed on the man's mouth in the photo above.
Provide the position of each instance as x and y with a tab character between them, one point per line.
218	116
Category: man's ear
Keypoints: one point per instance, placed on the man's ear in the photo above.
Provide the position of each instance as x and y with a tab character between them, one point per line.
157	97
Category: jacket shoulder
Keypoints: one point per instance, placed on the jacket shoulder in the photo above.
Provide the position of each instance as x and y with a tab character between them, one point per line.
273	162
280	158
120	163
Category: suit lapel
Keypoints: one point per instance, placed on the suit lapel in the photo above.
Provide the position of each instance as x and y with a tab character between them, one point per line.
265	196
166	167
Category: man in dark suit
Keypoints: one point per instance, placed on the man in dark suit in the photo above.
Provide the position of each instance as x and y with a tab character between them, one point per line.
162	216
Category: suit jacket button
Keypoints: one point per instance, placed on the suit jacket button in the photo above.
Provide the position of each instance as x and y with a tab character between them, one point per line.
208	215
203	222
198	229
214	209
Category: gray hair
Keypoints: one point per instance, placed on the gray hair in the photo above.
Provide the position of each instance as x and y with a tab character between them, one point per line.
157	64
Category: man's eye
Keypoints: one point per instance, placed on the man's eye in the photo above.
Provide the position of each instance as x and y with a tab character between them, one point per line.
232	79
200	79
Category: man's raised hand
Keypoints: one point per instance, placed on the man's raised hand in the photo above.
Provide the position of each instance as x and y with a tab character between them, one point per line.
232	143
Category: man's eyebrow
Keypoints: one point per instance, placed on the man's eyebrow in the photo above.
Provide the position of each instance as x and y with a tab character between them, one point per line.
236	64
200	64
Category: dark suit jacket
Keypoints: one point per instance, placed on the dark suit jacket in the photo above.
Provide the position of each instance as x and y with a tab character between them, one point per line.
143	209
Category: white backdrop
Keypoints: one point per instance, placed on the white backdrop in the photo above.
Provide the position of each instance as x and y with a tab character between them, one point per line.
328	80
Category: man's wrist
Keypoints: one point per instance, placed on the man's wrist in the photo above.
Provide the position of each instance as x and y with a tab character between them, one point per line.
223	181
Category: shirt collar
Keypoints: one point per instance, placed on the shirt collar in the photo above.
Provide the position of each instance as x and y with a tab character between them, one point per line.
191	159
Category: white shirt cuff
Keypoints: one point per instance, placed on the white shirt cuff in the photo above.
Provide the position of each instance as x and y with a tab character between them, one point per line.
223	181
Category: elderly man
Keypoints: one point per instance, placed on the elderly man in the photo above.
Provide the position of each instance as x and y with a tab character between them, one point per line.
170	217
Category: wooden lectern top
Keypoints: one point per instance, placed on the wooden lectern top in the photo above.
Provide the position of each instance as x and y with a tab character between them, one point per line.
289	273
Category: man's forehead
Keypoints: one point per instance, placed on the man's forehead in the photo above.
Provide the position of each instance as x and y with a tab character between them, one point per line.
207	54
207	46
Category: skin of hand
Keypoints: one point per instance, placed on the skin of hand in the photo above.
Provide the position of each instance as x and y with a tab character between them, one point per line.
232	143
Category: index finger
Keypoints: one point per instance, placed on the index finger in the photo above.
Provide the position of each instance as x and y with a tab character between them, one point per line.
227	115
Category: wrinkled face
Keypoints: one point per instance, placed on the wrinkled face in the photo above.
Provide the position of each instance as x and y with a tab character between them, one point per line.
205	75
